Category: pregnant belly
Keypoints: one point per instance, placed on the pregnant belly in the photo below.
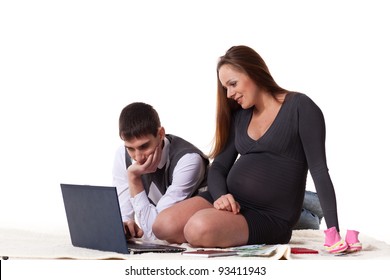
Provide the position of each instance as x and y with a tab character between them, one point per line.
265	180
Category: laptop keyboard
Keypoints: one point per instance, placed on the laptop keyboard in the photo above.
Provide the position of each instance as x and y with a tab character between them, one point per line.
141	247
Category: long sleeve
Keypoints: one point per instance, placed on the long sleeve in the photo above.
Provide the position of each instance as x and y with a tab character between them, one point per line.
220	167
312	134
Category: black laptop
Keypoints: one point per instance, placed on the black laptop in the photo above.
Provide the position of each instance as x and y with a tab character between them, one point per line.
95	221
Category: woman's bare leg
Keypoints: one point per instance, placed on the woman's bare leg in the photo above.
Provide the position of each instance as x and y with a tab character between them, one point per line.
216	228
169	224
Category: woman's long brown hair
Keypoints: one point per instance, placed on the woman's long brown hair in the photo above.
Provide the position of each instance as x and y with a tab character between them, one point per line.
249	62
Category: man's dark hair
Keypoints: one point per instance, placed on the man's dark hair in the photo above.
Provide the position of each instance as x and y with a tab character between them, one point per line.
138	119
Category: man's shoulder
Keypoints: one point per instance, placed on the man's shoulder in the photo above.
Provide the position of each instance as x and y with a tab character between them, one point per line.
180	147
179	141
173	137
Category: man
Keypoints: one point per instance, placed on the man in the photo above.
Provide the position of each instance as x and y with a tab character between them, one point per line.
311	213
153	170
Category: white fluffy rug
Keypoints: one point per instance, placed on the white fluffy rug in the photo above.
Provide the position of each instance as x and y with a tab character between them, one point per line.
16	243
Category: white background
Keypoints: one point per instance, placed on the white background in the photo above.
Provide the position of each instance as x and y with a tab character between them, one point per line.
67	68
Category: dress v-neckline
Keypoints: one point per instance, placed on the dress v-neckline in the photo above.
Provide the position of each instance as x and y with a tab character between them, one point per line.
269	127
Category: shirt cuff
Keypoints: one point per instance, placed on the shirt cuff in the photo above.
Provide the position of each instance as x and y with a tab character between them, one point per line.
140	201
128	217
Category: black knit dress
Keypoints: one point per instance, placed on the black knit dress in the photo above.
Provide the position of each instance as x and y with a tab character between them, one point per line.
267	176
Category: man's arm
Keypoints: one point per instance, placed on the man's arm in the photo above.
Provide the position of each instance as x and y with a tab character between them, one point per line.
120	181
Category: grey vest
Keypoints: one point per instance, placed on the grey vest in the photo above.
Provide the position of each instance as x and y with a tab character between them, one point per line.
163	177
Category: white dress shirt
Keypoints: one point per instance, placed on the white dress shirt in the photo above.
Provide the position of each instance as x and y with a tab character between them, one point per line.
188	172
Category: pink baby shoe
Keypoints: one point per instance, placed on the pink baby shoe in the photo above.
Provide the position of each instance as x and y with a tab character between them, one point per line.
333	242
353	241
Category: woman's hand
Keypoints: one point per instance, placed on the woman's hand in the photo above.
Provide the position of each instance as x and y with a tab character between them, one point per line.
227	203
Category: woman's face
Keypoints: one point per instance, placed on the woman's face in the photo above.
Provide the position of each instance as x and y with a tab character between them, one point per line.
239	86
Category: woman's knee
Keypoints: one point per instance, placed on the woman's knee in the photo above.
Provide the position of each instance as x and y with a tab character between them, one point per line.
164	227
215	228
169	224
199	231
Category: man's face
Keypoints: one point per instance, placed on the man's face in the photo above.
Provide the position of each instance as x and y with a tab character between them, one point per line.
140	148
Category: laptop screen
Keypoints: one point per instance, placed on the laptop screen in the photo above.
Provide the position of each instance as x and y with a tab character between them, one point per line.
95	221
94	217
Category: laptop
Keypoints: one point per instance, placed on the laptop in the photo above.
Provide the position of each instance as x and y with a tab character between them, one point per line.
95	221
